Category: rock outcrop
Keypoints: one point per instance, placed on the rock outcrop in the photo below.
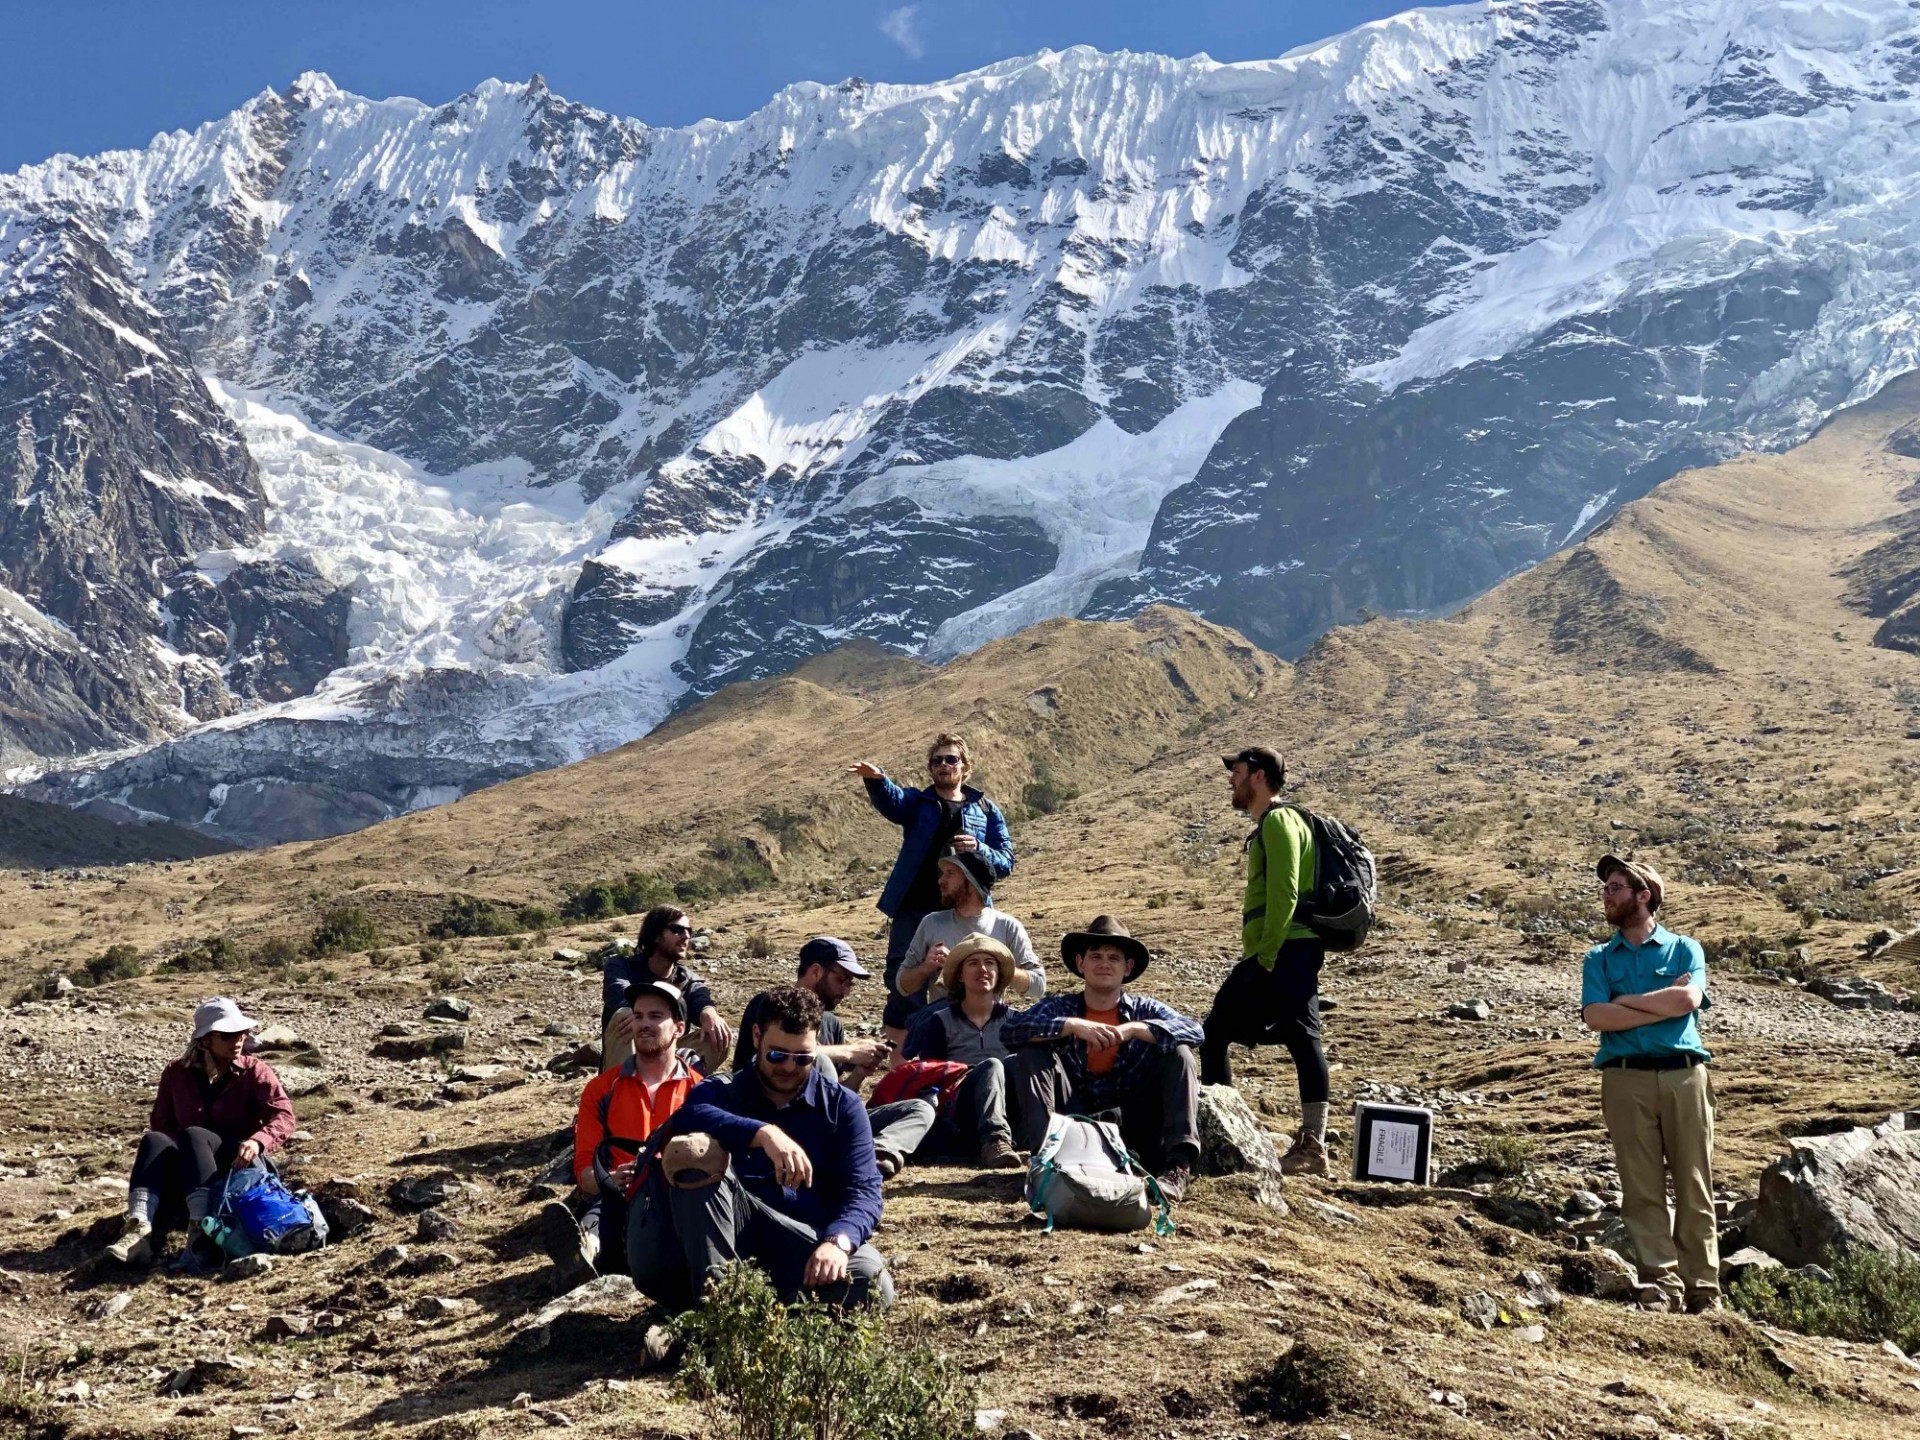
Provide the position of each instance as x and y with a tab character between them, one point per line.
1830	1193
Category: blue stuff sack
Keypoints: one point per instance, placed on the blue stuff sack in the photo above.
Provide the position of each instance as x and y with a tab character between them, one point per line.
257	1202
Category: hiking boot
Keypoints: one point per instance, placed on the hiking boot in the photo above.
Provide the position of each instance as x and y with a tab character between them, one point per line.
1173	1184
1653	1298
999	1154
135	1243
1306	1156
563	1239
888	1163
1704	1302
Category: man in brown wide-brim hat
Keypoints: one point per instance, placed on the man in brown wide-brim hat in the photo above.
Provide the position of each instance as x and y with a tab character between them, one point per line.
1106	1050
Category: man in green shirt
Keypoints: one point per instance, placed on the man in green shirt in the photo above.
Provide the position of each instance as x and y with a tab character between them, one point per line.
1272	997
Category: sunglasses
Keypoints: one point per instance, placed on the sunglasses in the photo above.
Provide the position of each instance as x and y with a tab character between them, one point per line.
945	760
802	1058
681	929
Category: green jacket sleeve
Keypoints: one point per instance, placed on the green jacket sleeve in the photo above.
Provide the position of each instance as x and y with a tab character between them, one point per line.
1279	887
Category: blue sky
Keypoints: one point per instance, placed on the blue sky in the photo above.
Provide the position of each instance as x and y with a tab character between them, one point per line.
89	75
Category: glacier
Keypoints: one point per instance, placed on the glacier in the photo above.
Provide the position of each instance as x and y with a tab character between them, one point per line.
580	418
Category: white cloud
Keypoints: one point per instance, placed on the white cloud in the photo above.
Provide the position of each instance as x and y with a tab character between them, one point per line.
902	26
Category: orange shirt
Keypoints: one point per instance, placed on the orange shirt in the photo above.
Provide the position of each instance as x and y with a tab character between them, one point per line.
1100	1062
616	1103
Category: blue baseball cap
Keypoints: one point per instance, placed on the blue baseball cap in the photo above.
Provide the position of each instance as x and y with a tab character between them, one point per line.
829	951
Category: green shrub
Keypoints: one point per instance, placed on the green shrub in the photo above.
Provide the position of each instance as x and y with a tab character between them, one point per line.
1046	793
534	917
772	1372
343	929
216	952
278	953
470	915
633	893
1506	1154
731	867
121	962
1872	1297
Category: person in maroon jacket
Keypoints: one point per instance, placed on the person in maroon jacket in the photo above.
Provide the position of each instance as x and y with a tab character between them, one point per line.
217	1109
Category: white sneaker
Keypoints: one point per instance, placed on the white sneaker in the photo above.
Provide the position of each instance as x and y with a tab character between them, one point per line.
135	1243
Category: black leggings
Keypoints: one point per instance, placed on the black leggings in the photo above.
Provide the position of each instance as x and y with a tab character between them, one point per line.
171	1166
1258	1006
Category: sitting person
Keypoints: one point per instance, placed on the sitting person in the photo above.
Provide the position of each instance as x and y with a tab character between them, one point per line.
966	889
1105	1050
773	1163
217	1109
619	1111
828	967
659	954
965	1030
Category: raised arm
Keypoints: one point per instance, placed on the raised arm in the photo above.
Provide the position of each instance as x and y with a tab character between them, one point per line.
891	800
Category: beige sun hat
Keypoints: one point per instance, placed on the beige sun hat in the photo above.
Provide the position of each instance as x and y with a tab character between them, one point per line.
972	945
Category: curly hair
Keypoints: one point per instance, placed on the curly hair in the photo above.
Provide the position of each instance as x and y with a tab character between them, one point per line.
794	1010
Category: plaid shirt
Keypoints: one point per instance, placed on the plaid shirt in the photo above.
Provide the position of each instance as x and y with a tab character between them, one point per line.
1042	1024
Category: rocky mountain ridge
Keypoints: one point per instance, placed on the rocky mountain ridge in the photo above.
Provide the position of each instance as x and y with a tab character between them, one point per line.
563	419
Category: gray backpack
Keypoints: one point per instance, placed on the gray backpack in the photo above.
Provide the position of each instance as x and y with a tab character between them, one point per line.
1084	1178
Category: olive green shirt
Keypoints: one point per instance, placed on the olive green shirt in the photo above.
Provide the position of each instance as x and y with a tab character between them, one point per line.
1280	865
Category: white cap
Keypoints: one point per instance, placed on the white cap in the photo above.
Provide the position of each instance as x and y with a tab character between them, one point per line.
222	1013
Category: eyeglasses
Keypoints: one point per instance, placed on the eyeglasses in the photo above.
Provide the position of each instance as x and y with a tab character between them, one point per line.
681	929
1616	887
944	760
802	1058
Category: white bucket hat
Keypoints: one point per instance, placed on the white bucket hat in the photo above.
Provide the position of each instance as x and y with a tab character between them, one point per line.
222	1013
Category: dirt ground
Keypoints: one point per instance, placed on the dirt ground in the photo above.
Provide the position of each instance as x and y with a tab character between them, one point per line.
1688	685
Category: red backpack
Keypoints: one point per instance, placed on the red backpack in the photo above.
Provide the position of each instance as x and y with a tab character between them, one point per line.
934	1080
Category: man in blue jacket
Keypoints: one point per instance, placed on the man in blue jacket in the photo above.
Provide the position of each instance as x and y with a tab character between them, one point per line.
1108	1050
948	817
773	1164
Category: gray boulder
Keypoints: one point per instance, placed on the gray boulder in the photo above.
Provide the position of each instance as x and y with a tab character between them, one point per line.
1232	1140
56	987
600	1310
301	1080
1852	992
1469	1010
1830	1193
419	1047
448	1007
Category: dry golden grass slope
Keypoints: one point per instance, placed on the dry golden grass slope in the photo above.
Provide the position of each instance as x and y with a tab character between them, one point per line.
1687	684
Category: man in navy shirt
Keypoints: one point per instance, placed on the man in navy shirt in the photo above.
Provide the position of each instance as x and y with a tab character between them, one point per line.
774	1164
1643	991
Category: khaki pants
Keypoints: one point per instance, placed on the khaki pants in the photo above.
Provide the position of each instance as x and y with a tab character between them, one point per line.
1662	1124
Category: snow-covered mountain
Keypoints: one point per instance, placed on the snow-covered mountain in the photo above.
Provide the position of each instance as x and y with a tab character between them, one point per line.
553	419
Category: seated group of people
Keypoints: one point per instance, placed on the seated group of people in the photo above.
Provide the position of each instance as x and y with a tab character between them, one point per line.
775	1157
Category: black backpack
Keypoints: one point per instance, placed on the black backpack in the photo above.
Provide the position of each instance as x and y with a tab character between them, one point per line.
1340	908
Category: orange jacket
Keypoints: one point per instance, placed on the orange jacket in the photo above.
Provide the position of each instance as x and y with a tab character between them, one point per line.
615	1106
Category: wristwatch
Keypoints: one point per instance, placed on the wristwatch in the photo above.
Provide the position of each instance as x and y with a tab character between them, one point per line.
846	1245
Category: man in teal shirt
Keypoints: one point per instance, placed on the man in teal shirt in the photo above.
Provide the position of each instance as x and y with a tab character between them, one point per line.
1643	991
1272	997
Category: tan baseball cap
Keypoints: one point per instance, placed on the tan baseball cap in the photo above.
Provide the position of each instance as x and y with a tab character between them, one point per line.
1643	876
